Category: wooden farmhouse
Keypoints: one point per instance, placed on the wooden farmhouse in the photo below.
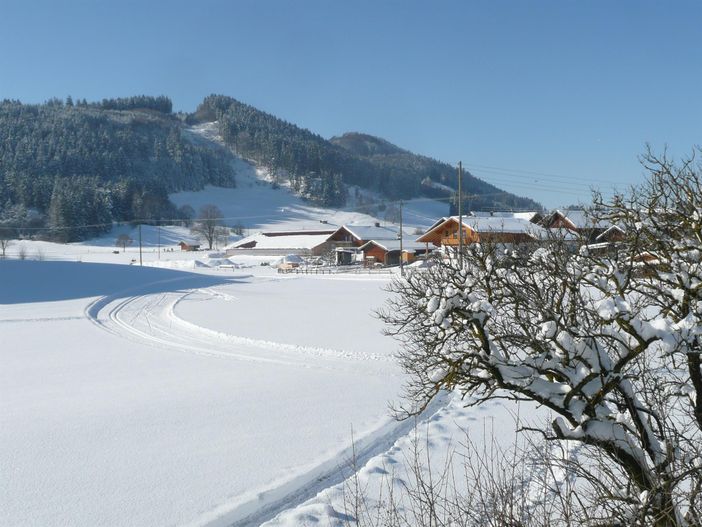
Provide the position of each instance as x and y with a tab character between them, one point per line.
611	235
577	221
504	230
606	243
388	252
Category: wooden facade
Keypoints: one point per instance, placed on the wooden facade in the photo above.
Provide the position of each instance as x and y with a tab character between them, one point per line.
184	246
375	253
389	253
445	233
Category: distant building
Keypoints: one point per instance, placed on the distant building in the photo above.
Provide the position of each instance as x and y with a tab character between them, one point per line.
281	243
496	229
388	252
357	235
577	221
187	246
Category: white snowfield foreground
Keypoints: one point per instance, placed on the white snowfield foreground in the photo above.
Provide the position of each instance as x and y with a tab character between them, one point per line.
143	396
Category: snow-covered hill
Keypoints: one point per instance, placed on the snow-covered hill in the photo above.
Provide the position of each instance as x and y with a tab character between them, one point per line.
257	204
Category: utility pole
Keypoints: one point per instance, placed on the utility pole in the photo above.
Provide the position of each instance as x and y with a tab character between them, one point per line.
140	260
460	214
159	241
402	267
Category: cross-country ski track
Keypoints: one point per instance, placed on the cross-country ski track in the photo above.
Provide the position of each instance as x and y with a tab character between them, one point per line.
151	318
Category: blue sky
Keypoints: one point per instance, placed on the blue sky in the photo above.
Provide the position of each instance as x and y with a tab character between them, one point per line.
556	96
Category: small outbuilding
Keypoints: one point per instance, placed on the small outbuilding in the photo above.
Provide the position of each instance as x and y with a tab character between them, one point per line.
388	252
185	246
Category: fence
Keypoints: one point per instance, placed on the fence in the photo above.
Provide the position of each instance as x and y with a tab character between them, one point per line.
327	270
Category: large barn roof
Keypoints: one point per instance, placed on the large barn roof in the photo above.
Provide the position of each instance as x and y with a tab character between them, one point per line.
297	240
373	232
394	245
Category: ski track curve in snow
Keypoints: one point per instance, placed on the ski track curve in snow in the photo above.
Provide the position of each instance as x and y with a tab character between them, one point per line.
150	318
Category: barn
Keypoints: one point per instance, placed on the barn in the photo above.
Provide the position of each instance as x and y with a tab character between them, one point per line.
281	243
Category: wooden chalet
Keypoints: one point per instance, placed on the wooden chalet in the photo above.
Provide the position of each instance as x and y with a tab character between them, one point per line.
611	235
578	221
504	230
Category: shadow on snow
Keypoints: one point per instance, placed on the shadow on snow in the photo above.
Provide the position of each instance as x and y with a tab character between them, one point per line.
40	281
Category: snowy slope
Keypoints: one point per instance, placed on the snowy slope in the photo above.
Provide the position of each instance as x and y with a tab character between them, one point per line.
256	205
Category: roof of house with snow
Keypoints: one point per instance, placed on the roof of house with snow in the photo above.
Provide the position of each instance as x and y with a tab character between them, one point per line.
529	216
498	224
493	224
575	219
289	240
408	244
370	232
488	225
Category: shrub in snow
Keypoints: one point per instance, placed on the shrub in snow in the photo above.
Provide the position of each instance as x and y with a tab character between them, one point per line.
610	343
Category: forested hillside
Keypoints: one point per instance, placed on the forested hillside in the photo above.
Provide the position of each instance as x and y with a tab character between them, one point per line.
66	165
429	176
316	167
68	169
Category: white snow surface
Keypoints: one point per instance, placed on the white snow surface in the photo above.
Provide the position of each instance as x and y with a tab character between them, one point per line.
438	440
193	390
146	396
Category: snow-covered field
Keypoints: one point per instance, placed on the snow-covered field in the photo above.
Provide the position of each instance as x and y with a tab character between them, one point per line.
120	408
195	390
214	396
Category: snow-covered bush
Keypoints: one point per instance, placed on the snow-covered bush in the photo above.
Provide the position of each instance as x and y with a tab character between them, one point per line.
610	343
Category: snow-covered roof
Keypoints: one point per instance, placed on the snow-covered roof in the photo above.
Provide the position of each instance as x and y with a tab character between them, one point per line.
504	214
289	241
372	232
394	245
582	219
498	224
610	230
492	224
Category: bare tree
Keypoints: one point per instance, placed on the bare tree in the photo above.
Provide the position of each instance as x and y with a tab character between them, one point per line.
209	218
123	240
5	242
609	342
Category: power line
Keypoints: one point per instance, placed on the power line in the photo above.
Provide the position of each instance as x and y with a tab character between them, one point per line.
516	172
